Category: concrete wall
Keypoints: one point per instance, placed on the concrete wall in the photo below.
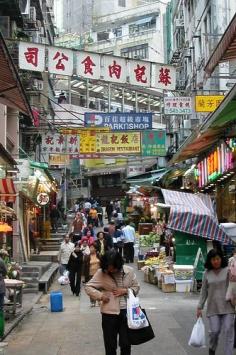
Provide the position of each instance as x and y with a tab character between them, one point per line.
3	125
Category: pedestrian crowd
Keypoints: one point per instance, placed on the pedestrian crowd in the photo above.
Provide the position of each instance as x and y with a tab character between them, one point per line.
82	249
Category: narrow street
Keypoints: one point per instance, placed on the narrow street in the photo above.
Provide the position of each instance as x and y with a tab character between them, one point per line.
78	329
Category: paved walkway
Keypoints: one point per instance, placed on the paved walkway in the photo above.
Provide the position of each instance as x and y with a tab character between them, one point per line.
78	330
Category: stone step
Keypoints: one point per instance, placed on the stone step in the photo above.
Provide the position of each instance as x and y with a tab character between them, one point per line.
49	248
30	269
51	241
31	290
34	274
29	280
49	256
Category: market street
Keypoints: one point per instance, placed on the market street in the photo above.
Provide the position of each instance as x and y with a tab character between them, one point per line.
78	329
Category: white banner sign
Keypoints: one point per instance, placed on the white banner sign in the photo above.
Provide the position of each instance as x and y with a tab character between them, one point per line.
96	66
60	143
140	73
165	77
60	61
88	65
31	56
178	105
114	69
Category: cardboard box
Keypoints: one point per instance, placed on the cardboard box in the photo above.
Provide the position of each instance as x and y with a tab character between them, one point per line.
168	288
140	264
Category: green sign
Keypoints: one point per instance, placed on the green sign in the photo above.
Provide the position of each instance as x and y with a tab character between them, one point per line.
154	143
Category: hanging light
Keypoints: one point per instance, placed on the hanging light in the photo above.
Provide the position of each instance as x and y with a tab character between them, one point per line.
4	227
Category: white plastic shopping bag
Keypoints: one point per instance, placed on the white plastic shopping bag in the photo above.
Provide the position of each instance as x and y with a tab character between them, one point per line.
136	317
64	279
198	336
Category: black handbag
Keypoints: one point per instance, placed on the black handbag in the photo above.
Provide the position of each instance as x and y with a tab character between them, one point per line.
141	336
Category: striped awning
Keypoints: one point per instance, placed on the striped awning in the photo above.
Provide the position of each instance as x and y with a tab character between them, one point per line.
7	190
194	214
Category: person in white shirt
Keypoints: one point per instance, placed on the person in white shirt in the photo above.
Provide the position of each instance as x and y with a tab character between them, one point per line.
66	248
129	240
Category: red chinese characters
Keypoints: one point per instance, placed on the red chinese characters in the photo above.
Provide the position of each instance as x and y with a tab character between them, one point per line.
164	76
88	65
115	70
140	74
61	58
31	56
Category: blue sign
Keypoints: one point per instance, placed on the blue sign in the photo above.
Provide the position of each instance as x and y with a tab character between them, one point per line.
119	121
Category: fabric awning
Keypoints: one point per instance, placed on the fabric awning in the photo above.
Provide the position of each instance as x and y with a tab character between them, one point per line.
226	48
7	190
11	90
146	179
194	214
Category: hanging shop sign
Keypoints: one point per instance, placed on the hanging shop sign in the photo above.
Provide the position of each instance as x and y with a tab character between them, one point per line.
59	159
178	105
217	163
206	103
60	143
154	143
133	170
88	142
64	61
118	143
122	121
43	199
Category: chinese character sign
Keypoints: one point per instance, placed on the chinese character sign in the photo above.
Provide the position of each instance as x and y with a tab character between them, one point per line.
31	56
60	143
114	69
119	143
133	170
208	103
154	143
43	199
88	65
140	73
178	105
59	159
122	121
88	142
165	77
60	61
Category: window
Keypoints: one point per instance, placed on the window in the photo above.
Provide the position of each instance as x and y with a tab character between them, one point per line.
102	36
142	26
136	52
117	32
122	3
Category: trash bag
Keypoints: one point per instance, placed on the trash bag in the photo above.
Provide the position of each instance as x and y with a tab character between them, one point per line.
136	317
198	336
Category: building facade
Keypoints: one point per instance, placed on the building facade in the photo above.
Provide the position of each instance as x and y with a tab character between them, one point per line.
193	29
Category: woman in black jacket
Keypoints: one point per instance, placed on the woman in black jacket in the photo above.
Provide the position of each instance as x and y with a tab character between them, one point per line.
75	266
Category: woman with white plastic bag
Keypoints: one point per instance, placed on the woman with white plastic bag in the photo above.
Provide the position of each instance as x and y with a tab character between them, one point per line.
220	312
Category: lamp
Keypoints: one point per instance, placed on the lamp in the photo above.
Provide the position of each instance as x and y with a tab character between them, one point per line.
4	227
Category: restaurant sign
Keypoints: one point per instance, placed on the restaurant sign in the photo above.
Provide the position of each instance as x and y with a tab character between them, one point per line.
118	143
43	199
122	121
178	105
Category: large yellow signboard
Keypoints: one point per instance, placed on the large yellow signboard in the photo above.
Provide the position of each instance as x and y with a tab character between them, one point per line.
119	143
205	103
88	142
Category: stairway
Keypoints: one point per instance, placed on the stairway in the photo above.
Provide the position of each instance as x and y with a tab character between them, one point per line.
31	273
49	248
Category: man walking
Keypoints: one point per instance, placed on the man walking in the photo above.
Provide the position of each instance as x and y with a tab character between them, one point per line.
129	240
66	249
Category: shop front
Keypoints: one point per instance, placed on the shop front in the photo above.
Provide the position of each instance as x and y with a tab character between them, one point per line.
37	193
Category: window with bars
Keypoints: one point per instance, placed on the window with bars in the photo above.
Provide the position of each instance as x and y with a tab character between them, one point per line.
136	52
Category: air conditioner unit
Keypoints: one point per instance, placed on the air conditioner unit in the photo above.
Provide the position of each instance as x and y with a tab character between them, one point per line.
32	14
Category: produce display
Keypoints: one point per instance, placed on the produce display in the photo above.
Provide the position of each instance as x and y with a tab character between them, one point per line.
149	240
158	260
183	274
